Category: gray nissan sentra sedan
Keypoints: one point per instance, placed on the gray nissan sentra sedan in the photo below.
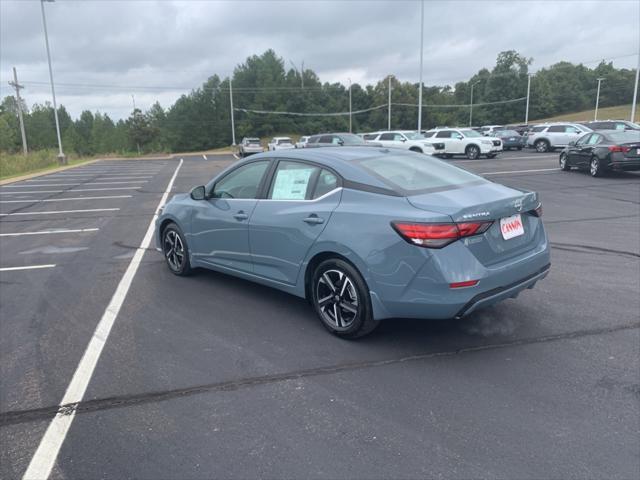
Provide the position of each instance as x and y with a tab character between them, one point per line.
363	233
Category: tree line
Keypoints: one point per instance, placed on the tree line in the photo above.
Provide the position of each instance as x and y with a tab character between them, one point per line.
201	119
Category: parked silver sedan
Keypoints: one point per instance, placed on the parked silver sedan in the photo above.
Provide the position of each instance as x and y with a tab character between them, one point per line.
250	145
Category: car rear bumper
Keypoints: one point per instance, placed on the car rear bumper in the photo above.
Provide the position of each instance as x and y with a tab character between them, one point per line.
429	294
625	165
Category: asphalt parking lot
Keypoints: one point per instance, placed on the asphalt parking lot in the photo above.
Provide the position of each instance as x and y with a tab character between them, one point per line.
212	376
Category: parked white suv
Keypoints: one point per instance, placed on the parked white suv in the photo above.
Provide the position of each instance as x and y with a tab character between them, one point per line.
302	142
547	137
280	143
465	141
407	139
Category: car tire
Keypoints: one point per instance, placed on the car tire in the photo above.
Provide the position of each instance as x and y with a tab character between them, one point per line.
596	168
564	164
341	299
519	148
447	155
542	146
416	149
472	152
176	251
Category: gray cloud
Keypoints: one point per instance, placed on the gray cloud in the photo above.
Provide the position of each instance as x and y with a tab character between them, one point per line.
179	44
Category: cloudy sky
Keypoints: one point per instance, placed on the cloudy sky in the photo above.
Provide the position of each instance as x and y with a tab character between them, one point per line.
106	50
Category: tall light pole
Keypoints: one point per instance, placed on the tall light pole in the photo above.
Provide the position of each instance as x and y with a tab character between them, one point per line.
471	103
349	105
233	126
635	90
389	108
421	58
61	158
595	116
526	113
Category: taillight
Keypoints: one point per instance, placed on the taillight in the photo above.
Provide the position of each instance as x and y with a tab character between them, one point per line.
618	148
438	235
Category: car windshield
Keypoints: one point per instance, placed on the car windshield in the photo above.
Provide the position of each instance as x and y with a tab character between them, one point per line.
470	133
413	135
507	133
413	175
630	136
351	139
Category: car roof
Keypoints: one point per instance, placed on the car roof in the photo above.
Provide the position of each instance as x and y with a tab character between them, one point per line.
342	160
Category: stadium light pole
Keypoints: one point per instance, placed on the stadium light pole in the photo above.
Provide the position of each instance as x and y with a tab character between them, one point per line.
349	105
61	157
526	113
635	91
595	115
389	108
233	127
421	62
471	103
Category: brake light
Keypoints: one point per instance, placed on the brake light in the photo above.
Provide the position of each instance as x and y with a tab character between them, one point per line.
618	148
438	235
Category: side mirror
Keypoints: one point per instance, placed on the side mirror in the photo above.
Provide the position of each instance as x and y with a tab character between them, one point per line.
572	144
341	142
198	193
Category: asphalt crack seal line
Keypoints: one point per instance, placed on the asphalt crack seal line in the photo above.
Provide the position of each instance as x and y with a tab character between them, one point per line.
68	410
45	456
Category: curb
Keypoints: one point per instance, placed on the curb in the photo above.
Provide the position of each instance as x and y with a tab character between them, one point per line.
28	176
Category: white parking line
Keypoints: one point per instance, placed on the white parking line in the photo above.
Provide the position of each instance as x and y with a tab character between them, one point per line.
65	199
46	232
538	157
47	452
31	192
28	267
53	212
42	184
204	156
236	156
520	171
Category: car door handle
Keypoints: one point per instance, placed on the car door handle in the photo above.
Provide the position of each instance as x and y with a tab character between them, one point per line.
313	220
241	216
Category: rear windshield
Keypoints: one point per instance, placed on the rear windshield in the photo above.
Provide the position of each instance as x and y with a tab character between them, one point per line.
471	133
507	133
350	139
412	175
625	137
253	141
283	141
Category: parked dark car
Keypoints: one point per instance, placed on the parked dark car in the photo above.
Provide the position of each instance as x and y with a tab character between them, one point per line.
611	125
511	139
338	140
602	151
521	129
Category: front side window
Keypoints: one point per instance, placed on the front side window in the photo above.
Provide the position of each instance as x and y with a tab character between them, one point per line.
583	140
242	182
570	129
538	129
398	137
472	134
387	136
429	134
292	181
326	139
595	139
556	129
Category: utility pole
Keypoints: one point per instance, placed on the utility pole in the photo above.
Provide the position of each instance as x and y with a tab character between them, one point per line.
17	86
635	90
389	108
595	116
349	105
526	113
421	57
61	157
133	98
471	104
233	127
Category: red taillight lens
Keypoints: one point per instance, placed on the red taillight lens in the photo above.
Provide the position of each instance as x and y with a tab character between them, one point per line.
536	212
438	235
468	283
618	148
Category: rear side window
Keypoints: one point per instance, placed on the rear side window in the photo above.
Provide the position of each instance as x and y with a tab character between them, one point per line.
410	176
327	181
444	134
292	181
387	136
556	129
326	139
313	139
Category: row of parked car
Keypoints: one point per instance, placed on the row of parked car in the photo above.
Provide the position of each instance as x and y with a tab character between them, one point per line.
446	142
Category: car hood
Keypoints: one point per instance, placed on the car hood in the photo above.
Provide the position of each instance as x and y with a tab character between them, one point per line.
487	201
